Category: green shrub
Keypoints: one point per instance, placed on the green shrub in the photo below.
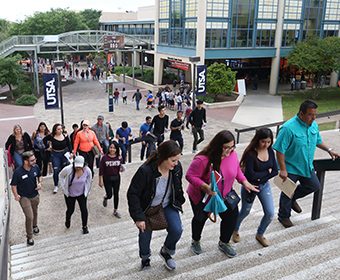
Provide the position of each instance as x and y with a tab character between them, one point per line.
26	100
148	76
206	99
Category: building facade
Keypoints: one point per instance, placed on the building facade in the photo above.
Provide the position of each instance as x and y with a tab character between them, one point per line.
252	36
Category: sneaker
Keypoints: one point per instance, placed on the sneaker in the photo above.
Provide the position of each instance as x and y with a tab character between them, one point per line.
117	214
30	241
194	151
68	223
227	249
146	264
236	237
36	230
55	189
196	247
104	201
169	261
85	230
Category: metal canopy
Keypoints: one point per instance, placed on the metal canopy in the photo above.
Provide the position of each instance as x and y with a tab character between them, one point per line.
83	41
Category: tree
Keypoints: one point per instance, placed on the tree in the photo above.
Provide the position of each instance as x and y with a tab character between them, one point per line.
57	21
11	72
4	28
220	80
318	56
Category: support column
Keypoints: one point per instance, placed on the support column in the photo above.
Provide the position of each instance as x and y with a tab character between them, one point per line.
137	58
158	68
201	30
119	58
275	69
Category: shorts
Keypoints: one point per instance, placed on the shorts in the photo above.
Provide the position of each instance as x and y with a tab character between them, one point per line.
171	102
149	103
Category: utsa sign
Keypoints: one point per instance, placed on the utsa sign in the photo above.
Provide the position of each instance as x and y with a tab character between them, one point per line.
201	80
51	91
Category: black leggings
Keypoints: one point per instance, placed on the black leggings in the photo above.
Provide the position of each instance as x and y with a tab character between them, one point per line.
228	223
43	162
112	185
89	159
70	203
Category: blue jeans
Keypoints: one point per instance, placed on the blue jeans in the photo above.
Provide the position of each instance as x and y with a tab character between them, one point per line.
105	145
17	160
266	198
142	151
123	148
59	161
179	106
174	234
137	104
116	100
306	186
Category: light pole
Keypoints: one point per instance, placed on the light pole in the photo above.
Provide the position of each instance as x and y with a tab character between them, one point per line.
59	65
30	55
194	59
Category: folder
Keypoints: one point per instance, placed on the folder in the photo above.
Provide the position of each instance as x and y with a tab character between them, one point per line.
288	187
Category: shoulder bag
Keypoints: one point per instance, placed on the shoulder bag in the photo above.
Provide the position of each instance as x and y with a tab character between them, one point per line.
94	148
154	217
231	199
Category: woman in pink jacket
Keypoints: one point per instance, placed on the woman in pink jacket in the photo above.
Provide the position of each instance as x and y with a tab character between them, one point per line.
219	155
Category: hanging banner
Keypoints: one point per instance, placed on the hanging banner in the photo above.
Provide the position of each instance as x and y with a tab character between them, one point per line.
111	62
51	91
179	65
201	80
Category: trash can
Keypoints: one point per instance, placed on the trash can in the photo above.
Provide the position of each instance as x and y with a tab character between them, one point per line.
303	84
297	85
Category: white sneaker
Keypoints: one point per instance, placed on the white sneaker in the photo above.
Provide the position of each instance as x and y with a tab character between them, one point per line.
194	151
55	189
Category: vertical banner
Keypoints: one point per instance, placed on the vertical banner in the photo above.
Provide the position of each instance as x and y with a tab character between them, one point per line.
51	91
111	62
201	80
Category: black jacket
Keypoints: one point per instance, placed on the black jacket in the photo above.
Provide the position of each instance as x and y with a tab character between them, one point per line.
142	189
12	141
197	117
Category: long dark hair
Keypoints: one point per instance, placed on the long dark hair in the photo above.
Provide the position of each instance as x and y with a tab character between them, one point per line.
261	133
54	129
215	148
164	151
115	143
46	128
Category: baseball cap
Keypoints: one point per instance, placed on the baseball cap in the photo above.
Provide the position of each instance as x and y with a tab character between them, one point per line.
79	161
86	122
100	117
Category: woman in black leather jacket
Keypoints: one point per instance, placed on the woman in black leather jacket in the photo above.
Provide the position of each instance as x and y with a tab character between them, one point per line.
148	188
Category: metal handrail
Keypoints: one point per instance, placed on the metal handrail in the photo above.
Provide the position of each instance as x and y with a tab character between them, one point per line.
278	124
5	217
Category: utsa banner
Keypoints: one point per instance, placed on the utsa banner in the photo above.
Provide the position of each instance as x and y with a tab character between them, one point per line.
51	91
201	80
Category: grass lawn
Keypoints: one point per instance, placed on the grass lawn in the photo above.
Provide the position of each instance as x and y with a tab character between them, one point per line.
328	100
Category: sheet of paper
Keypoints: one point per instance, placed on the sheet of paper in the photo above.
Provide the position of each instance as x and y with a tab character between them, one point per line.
67	155
288	186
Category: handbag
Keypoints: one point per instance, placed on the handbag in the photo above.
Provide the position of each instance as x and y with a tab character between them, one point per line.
231	199
94	149
154	217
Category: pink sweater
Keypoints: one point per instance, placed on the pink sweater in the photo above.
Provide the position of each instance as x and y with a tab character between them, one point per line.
230	168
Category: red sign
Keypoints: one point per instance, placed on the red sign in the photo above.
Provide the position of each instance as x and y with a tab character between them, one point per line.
113	42
179	65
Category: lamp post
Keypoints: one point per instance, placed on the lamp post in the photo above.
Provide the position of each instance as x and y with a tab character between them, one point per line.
59	65
30	55
194	59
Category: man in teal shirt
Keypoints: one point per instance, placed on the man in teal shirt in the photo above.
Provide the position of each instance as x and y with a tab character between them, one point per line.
295	147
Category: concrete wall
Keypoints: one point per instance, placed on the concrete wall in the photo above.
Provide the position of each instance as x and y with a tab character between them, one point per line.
147	12
115	16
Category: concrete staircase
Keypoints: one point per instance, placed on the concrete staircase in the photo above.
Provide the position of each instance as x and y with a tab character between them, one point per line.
309	250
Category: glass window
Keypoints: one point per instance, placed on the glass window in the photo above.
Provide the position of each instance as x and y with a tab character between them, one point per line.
313	18
330	30
216	35
293	9
290	34
190	8
242	23
190	34
163	32
164	9
267	9
218	8
332	10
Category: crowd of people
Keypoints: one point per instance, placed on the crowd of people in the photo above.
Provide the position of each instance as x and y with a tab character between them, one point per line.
155	195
